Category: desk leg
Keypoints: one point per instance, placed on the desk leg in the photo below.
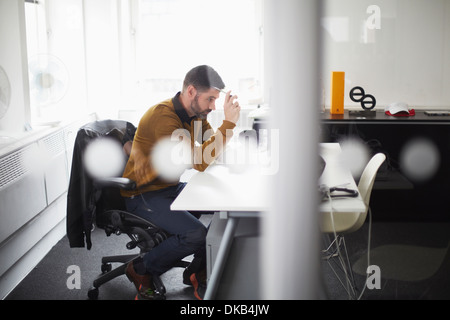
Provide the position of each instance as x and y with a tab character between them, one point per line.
222	255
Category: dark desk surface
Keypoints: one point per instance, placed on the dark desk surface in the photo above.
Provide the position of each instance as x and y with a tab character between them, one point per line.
380	117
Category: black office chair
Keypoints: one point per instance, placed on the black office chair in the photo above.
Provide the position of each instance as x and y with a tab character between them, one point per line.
114	219
97	201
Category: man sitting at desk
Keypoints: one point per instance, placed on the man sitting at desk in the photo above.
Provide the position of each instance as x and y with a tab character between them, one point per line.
153	196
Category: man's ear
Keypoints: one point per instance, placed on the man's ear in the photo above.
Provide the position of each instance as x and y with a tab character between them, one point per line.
191	91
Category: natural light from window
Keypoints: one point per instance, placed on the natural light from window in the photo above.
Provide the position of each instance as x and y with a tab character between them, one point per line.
173	36
118	58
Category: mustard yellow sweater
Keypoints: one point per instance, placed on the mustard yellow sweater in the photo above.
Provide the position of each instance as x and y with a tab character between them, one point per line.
159	122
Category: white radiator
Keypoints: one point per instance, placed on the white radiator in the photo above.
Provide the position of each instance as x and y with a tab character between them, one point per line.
22	189
33	195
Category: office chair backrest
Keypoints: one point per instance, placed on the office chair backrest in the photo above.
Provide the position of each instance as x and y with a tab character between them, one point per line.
365	186
109	199
81	195
368	176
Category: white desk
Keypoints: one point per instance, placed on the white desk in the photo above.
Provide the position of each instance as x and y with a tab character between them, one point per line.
221	189
237	195
218	188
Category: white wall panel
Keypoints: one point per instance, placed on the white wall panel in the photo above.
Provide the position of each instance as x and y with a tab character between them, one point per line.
407	59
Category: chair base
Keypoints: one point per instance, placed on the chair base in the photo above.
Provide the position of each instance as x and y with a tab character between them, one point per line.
336	256
109	274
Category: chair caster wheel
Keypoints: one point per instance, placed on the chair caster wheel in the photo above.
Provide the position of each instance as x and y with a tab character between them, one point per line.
93	293
106	267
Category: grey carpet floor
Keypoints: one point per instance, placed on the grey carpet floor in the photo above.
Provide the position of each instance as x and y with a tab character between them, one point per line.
413	261
425	276
48	280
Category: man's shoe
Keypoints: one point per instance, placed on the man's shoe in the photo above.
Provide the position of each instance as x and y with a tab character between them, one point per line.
143	283
138	279
198	281
200	276
148	294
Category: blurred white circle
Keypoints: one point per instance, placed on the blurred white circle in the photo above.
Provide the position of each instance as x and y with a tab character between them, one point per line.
171	158
419	159
355	155
104	157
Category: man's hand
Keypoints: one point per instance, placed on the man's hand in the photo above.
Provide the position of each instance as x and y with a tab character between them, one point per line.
231	108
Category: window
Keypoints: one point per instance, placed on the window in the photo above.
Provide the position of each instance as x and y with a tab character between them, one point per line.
36	45
56	64
117	58
172	36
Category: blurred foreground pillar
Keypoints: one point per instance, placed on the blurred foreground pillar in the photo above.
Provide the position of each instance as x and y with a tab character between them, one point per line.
290	243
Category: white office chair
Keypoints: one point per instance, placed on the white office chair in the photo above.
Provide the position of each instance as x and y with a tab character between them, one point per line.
340	223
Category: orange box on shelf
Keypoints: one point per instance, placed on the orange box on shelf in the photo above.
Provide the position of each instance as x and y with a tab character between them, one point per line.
337	92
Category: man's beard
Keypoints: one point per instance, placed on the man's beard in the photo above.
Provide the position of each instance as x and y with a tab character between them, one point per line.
195	108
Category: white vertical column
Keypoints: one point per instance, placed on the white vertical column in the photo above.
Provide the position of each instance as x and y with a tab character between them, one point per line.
290	245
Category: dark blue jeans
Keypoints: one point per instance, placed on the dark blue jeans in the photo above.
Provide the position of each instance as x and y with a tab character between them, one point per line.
188	233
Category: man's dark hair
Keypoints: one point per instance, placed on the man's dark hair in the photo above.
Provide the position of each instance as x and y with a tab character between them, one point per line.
203	78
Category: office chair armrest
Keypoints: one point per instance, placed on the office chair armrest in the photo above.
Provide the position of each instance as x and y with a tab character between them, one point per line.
115	182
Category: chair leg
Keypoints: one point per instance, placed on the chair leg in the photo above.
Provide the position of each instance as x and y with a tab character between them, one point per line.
109	274
120	259
336	253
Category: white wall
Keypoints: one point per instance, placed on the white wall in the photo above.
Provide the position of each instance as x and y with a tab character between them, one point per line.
13	60
407	59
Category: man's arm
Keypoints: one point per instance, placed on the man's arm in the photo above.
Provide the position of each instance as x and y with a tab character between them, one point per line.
214	145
